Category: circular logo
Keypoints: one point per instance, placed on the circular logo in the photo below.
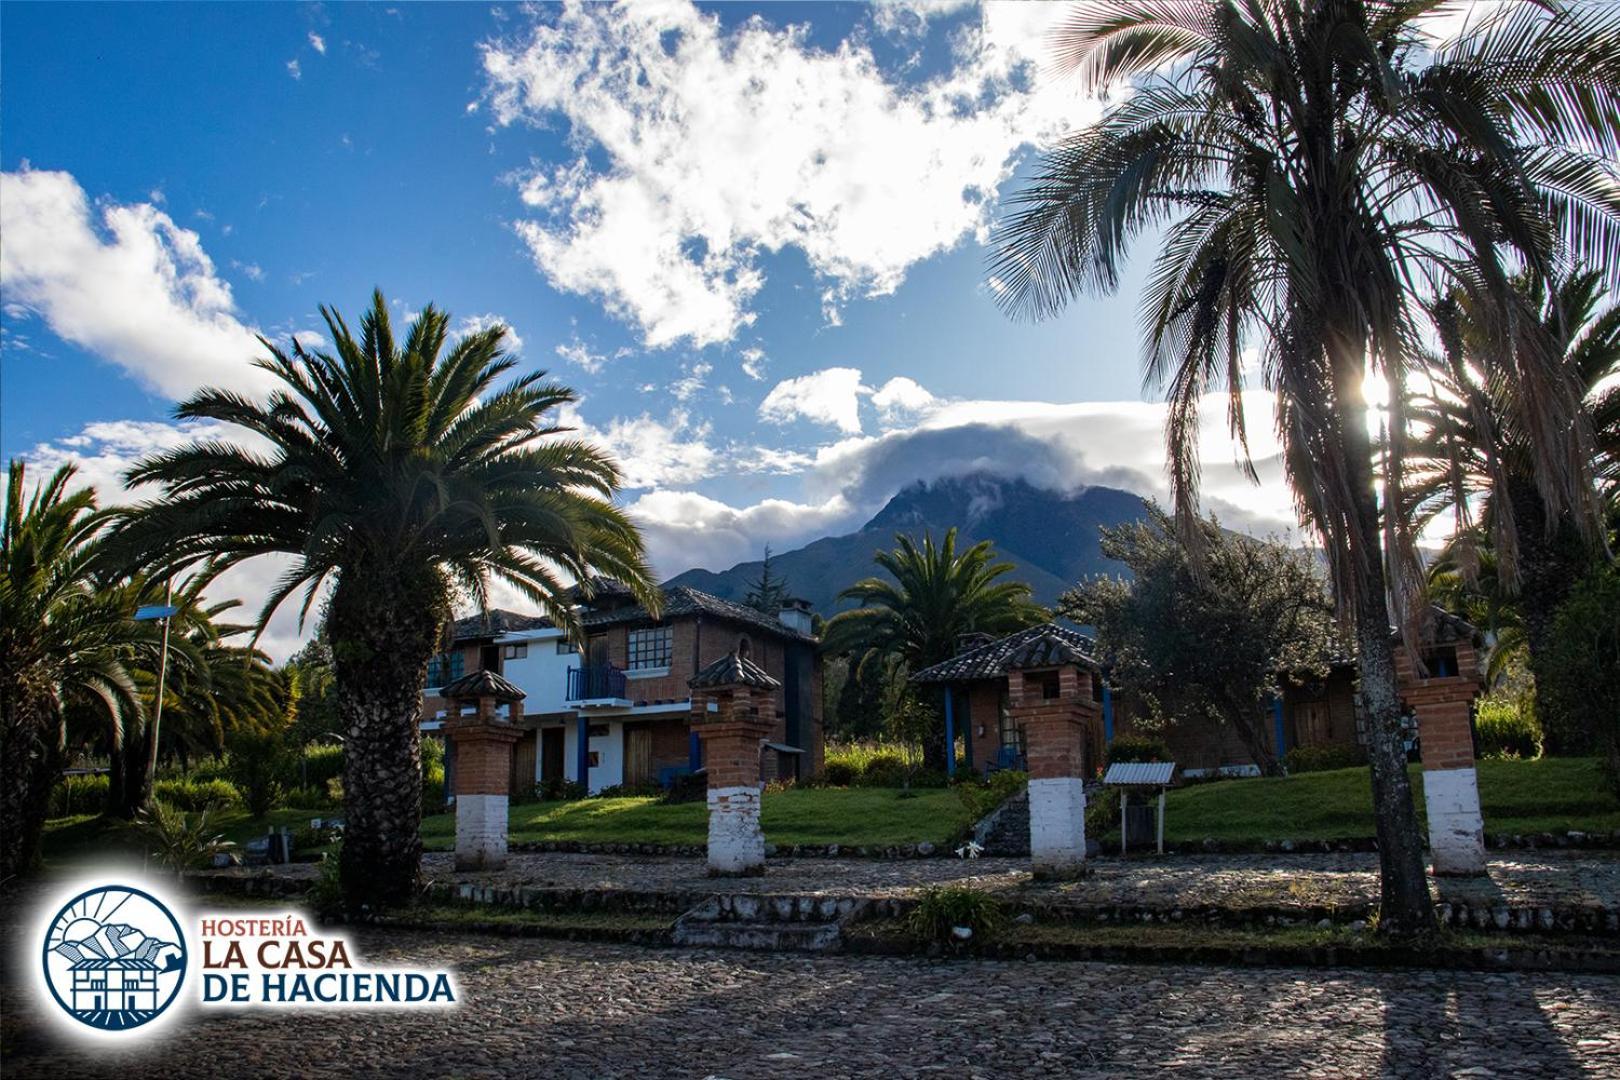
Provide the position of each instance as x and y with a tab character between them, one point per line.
114	957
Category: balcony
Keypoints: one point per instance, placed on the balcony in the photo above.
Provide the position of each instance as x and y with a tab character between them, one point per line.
596	684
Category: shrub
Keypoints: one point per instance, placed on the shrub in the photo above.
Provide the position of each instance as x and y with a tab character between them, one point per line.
195	795
326	895
1578	677
1102	812
630	791
1304	759
981	796
80	795
558	788
688	787
1137	748
260	767
1507	729
325	762
885	768
941	910
432	777
178	840
839	773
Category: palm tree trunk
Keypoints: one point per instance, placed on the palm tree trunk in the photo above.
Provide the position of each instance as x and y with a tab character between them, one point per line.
30	765
384	627
1404	904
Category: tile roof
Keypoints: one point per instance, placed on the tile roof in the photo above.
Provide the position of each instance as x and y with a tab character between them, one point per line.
482	684
493	623
733	670
117	963
679	601
682	601
1046	645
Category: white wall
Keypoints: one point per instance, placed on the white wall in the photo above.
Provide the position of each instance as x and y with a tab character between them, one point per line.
543	674
609	747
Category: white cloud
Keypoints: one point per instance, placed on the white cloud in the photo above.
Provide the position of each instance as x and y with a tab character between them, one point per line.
251	271
910	18
900	398
753	363
317	43
474	324
651	453
125	282
723	146
294	69
692	381
576	352
830	396
104	452
684	529
312	339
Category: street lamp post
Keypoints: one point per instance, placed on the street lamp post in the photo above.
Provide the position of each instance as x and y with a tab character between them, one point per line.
164	612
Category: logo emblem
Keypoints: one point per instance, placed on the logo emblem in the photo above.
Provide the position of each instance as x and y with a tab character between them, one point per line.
114	957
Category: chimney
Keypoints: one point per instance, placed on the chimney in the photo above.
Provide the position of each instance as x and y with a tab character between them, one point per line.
970	641
795	614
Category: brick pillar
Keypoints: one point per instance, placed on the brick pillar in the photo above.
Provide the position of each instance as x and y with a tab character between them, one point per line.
1450	783
731	753
482	785
1054	731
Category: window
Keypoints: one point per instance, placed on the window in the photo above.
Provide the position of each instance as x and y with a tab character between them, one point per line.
651	648
515	652
444	668
566	648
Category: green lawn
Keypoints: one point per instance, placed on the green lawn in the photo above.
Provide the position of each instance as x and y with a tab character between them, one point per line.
69	840
852	816
1550	795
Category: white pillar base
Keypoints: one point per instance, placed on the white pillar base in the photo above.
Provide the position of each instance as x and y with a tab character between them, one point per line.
1057	826
1456	829
480	832
736	842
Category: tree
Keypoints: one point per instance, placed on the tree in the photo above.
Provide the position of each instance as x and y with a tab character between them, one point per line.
917	614
1208	645
1583	669
1306	161
65	644
768	592
400	472
1473	449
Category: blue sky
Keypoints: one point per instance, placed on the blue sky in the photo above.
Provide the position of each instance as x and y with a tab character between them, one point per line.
751	238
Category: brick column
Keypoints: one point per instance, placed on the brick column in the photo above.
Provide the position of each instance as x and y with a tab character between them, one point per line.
482	786
1054	729
731	753
1450	783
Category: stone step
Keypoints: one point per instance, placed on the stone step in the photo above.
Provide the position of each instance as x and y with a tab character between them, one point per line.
784	909
767	936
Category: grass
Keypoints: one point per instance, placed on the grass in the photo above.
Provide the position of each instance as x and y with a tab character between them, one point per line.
1549	795
853	817
74	839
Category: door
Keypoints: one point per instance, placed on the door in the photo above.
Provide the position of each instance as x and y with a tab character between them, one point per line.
637	754
551	754
523	755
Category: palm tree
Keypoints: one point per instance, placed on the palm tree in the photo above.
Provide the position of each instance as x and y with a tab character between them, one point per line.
1308	161
1473	448
917	615
64	646
402	473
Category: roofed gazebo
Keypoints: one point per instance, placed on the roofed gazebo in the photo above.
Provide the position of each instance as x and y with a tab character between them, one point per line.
482	778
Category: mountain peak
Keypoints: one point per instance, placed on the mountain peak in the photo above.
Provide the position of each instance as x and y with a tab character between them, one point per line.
1050	537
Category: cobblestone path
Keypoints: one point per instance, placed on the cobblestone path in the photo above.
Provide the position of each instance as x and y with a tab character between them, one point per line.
544	1009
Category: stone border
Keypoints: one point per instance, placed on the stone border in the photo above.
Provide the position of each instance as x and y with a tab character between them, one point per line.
924	850
1261	955
1502	918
